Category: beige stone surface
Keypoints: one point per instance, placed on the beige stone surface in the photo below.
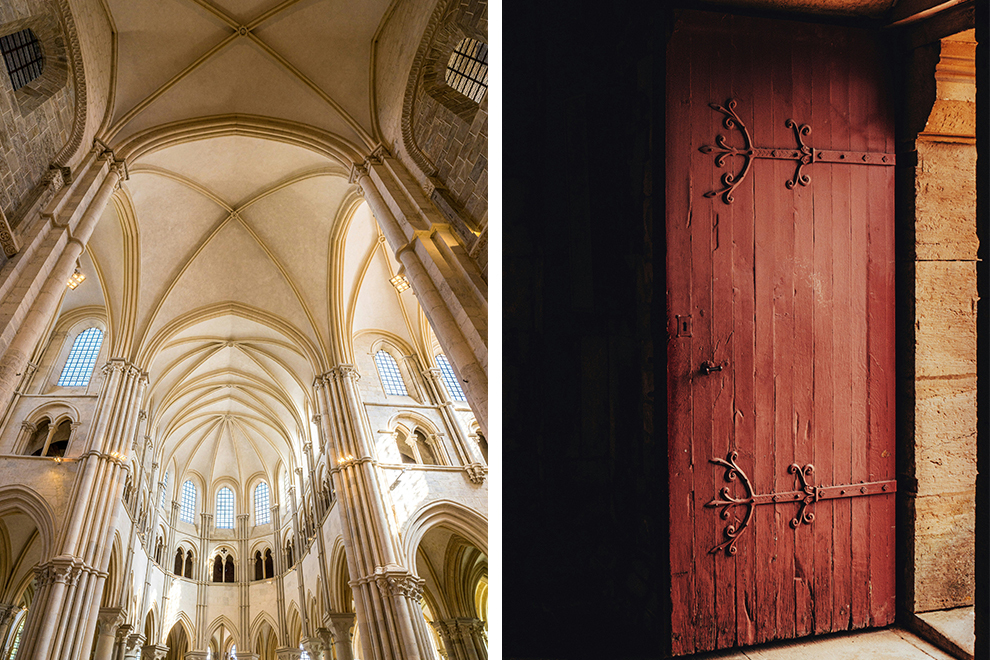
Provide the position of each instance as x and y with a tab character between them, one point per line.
945	435
945	318
890	644
957	625
943	550
945	196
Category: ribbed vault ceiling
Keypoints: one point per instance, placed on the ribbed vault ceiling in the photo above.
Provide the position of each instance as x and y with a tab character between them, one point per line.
236	266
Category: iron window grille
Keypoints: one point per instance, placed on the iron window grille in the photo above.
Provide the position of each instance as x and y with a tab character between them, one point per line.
467	69
23	56
262	502
225	509
389	372
188	509
449	379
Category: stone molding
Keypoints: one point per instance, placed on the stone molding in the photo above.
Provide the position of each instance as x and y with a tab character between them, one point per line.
476	472
133	644
154	652
460	629
64	569
396	581
109	620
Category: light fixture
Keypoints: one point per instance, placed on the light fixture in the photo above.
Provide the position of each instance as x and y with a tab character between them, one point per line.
76	279
400	283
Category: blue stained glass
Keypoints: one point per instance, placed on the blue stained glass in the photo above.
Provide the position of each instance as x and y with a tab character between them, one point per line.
389	372
262	502
188	509
225	509
450	379
82	358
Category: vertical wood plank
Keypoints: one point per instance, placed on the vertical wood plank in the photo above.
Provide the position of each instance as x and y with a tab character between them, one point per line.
859	88
679	396
842	345
803	361
703	388
824	311
783	219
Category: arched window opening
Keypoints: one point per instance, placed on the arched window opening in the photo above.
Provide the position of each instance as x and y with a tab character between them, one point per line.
218	569
388	371
188	509
23	57
406	452
82	358
16	644
158	550
269	564
164	489
288	554
178	562
262	504
425	450
189	564
450	379
225	508
259	566
467	69
228	570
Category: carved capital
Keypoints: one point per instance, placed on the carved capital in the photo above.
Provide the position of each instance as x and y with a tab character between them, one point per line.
378	156
342	371
8	240
7	612
358	172
476	472
433	374
29	427
133	644
154	652
314	646
109	619
398	582
123	632
460	628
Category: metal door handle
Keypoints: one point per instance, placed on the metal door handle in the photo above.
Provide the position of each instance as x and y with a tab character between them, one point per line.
709	367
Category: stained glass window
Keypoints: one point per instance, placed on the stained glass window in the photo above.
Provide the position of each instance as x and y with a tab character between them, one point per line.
82	358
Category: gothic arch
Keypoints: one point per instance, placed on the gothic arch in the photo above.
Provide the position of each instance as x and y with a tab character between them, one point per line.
183	621
455	516
261	619
22	499
228	625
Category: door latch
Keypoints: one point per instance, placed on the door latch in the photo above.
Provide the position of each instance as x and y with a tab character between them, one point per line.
709	367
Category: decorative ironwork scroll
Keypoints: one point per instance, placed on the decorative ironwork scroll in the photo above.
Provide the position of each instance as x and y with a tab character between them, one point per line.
802	153
807	496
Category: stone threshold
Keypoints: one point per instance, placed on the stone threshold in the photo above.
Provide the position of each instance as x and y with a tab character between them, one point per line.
953	630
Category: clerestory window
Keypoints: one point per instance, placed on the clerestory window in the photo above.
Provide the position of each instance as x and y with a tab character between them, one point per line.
164	489
467	69
388	370
23	57
188	508
262	504
225	509
450	379
82	358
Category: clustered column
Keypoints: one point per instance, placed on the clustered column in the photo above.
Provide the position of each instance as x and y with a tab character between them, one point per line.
463	638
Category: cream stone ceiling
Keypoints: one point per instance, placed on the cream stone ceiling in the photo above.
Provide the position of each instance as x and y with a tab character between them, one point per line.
236	265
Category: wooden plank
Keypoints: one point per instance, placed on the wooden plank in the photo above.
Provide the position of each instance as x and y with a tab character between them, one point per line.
720	251
781	104
859	89
707	124
679	399
764	527
803	73
842	346
743	357
824	311
881	356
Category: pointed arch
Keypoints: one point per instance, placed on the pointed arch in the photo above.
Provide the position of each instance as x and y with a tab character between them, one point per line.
258	623
22	499
228	625
465	521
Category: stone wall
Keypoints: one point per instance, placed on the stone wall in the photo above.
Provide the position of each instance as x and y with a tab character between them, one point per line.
944	465
29	136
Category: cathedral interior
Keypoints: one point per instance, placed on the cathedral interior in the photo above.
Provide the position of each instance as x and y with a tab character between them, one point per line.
243	337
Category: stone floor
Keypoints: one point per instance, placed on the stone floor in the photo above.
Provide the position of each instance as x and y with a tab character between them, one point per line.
955	626
889	644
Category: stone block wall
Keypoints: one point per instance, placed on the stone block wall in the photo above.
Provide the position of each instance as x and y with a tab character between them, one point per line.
30	136
942	510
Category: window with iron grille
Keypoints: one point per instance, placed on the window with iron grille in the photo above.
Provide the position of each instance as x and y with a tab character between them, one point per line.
389	372
262	502
82	358
188	509
449	379
467	69
225	509
164	489
23	57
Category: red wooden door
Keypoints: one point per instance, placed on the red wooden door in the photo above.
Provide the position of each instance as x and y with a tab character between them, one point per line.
781	279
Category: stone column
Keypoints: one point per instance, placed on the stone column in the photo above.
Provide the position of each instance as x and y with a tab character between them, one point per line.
287	654
450	288
342	628
467	450
109	620
200	655
300	544
7	614
314	646
133	645
154	652
464	638
385	592
46	303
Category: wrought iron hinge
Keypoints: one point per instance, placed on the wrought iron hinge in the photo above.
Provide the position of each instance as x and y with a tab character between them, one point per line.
802	153
806	496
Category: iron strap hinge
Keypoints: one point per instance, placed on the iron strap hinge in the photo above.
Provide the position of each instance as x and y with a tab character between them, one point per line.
806	496
803	154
